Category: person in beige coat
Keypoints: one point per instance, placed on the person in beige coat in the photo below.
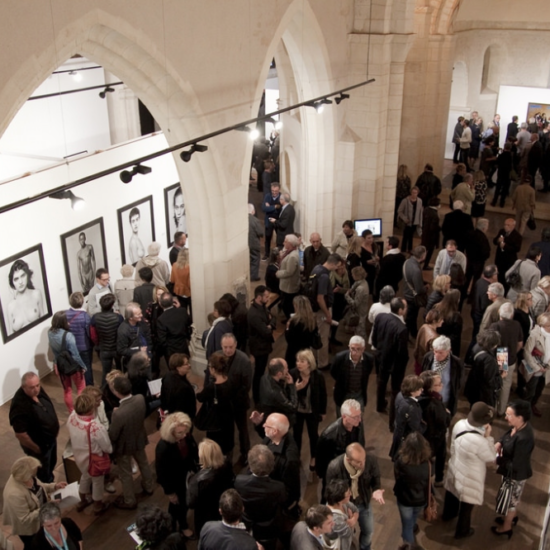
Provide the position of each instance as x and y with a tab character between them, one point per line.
289	273
465	192
523	202
23	495
341	241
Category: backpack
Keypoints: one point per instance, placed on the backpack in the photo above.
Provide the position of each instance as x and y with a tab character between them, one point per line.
309	290
66	365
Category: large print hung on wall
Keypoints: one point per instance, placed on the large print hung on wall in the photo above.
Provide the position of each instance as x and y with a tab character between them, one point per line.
84	252
24	293
136	229
175	212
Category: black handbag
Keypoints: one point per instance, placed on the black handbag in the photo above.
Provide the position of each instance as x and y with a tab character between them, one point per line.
66	364
207	419
504	495
531	223
316	342
514	277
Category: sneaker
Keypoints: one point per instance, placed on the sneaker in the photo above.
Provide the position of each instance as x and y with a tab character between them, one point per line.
110	488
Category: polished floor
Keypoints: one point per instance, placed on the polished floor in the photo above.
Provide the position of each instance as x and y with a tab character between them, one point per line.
109	530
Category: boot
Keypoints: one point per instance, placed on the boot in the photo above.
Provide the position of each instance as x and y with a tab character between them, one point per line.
99	507
84	502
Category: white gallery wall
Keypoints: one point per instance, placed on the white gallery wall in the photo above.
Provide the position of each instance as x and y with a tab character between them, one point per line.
44	221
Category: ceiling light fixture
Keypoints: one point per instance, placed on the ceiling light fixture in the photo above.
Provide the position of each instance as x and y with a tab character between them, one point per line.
107	90
186	155
76	202
341	98
127	175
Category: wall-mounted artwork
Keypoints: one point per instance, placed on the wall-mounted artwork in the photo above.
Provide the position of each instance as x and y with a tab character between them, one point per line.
83	252
175	212
24	293
136	228
538	111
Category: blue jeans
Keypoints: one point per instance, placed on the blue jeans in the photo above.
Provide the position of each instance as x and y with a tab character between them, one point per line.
408	514
86	356
366	524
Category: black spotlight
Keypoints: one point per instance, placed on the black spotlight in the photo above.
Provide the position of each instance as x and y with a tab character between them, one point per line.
340	98
107	90
127	175
186	155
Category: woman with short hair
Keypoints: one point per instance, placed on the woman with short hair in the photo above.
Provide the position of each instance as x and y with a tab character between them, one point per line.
300	330
312	401
441	284
23	495
56	532
153	526
88	436
175	457
177	393
208	484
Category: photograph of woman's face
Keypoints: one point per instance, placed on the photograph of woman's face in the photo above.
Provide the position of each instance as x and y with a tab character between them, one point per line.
134	223
20	280
179	207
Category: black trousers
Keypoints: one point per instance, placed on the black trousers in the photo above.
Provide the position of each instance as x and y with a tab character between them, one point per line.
286	303
268	236
260	363
439	449
312	423
408	234
396	380
241	421
411	318
454	507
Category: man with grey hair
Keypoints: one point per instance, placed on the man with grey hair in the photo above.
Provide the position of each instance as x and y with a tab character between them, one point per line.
337	436
415	289
159	267
478	250
447	257
523	138
456	225
315	254
495	293
511	337
133	333
541	297
289	274
255	233
387	294
441	361
284	224
351	370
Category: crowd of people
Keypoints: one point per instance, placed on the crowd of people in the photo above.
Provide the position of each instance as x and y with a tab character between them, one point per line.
141	329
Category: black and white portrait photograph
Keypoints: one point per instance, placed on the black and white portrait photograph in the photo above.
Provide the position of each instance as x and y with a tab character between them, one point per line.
175	212
84	252
136	229
24	294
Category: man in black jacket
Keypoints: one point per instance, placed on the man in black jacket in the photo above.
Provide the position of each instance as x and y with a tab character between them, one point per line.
316	254
133	334
284	224
456	225
351	370
391	267
143	294
428	184
240	377
362	472
478	250
105	324
415	288
260	336
338	435
390	337
262	496
508	242
180	238
172	328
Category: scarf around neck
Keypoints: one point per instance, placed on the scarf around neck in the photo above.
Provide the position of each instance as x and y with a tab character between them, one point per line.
354	475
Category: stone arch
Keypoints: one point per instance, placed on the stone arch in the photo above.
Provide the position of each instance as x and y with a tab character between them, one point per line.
305	44
494	59
131	55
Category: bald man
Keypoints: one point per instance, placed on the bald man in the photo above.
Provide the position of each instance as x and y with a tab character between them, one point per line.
508	242
316	254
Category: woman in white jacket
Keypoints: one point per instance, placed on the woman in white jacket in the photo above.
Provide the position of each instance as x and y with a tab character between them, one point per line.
83	421
471	448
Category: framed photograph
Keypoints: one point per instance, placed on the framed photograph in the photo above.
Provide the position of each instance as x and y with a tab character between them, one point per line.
24	293
175	212
539	111
136	228
83	252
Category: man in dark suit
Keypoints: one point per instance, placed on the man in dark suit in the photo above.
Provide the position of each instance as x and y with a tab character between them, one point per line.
390	337
127	434
351	370
262	496
456	225
508	242
391	267
180	238
228	534
478	250
133	334
143	294
172	328
284	225
272	207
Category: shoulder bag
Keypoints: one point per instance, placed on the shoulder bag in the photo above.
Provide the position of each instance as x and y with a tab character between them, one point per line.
207	418
430	512
514	277
99	465
66	364
420	300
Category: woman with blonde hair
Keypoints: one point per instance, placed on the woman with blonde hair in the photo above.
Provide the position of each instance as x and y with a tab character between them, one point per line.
175	457
207	485
441	284
426	335
452	319
300	330
88	436
180	277
24	494
312	400
353	259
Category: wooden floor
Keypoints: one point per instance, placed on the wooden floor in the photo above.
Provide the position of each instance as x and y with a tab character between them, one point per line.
109	530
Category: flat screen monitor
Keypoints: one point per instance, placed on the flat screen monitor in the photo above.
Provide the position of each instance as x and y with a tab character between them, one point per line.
374	224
